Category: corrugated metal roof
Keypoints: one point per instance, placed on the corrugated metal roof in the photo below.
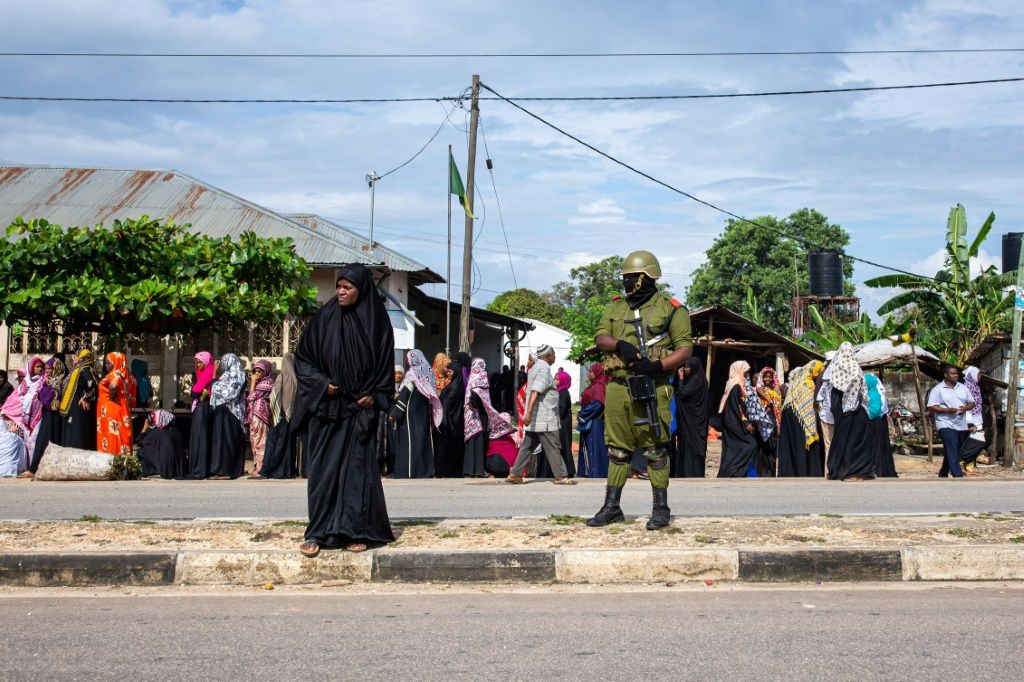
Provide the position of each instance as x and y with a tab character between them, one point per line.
87	196
349	237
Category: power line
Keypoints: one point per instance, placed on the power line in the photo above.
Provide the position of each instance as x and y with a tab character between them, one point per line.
501	55
805	242
497	201
447	118
461	98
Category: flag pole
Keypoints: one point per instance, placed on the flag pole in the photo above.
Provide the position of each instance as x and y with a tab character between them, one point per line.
448	276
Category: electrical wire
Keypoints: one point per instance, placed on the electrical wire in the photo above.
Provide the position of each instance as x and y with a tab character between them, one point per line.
447	118
462	98
801	240
497	201
503	55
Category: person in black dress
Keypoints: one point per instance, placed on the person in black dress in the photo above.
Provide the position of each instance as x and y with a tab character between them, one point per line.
878	427
801	453
415	417
282	441
477	413
344	363
200	440
691	420
227	399
78	403
740	446
159	447
6	388
51	427
852	454
452	444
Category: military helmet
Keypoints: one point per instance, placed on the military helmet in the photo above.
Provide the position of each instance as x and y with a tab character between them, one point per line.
642	261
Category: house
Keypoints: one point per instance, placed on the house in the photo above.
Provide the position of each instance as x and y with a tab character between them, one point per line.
561	341
89	196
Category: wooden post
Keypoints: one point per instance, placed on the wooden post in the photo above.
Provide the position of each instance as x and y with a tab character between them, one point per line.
922	408
1010	456
467	245
711	346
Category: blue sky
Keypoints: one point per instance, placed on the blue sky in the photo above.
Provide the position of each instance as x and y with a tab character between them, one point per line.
886	166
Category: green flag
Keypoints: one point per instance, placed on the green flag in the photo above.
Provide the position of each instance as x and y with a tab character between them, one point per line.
455	186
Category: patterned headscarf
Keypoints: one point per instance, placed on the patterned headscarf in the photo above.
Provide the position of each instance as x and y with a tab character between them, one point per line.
500	425
847	376
736	378
772	402
757	413
160	419
227	390
800	398
258	399
478	385
420	378
84	364
971	375
441	378
56	375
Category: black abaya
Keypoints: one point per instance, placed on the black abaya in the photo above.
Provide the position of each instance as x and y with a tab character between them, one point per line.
692	423
200	440
452	444
161	453
353	349
227	451
885	466
79	428
474	451
51	427
279	457
413	443
852	453
739	447
795	458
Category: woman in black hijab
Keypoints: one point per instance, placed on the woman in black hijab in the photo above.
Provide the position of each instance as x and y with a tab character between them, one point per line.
452	450
345	369
691	420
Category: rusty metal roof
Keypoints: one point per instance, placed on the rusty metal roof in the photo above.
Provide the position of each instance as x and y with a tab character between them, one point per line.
418	273
88	196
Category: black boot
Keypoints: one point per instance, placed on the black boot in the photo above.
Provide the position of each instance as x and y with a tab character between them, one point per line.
660	514
610	512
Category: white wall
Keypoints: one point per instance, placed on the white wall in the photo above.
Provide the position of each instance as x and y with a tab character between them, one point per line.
560	340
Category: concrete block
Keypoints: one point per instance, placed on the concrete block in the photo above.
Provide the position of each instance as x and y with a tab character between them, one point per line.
214	568
464	566
645	566
62	569
835	565
979	562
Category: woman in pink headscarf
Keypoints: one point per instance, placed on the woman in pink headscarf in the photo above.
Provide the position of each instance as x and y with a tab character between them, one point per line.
201	437
479	413
23	407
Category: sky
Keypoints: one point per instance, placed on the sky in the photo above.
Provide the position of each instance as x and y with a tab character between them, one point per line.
887	166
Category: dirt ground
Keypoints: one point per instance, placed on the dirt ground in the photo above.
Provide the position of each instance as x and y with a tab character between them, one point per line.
567	532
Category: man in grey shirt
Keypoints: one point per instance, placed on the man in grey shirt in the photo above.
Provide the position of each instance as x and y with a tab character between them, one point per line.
541	421
949	402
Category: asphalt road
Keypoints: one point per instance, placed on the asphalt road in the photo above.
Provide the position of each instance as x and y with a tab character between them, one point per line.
461	498
857	633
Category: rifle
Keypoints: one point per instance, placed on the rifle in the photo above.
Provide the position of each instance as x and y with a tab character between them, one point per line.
641	387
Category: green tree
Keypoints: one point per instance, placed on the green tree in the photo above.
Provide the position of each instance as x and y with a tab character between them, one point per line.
527	303
829	333
147	276
954	310
587	281
746	257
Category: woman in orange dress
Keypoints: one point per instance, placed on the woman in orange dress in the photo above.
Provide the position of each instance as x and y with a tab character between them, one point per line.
113	415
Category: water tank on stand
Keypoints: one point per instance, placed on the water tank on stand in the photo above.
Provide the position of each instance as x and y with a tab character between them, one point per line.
826	269
1011	250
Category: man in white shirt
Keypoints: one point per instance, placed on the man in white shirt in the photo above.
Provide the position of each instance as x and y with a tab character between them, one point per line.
541	422
949	403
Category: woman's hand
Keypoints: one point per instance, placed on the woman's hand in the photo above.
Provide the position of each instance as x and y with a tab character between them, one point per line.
365	402
332	389
204	395
750	428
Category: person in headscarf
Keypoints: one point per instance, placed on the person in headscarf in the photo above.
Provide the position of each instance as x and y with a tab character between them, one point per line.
852	455
442	372
159	447
478	411
877	406
416	416
769	391
345	366
78	403
51	427
801	453
257	414
502	447
692	420
975	442
280	459
739	443
563	382
6	387
200	441
452	443
113	413
767	428
143	385
399	378
593	457
13	451
227	399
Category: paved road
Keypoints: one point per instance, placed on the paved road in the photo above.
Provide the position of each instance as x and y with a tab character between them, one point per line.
481	499
808	634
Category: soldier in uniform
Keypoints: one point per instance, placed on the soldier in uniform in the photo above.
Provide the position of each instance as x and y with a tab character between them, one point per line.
666	328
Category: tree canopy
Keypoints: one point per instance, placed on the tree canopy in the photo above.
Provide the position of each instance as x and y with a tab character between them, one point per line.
746	257
145	275
527	303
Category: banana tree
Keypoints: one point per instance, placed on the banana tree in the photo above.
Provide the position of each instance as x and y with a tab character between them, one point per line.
829	333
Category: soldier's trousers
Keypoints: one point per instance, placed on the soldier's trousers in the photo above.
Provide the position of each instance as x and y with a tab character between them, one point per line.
623	438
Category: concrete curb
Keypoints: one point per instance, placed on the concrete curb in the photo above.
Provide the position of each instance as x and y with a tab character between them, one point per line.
571	566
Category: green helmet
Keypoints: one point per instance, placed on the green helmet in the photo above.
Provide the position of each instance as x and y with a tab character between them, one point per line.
642	261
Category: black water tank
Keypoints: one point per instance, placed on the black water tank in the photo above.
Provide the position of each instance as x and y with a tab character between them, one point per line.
1011	250
826	267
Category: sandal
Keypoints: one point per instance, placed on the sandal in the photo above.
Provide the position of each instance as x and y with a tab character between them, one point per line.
564	481
356	547
26	474
309	548
512	478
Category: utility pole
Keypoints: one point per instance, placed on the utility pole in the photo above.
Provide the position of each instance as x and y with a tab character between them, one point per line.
371	180
467	247
448	275
1010	457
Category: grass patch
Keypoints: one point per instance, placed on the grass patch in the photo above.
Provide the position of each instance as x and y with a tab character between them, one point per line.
290	524
793	537
673	530
407	523
90	518
703	539
1017	539
143	523
614	530
964	533
485	530
831	516
962	515
448	534
264	535
566	519
232	523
